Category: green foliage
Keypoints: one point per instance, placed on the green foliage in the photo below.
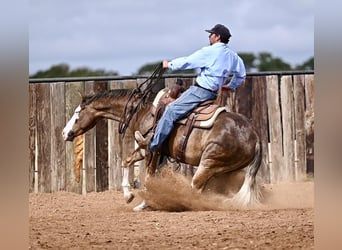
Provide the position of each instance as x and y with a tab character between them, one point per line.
263	61
63	70
148	68
249	60
307	65
268	63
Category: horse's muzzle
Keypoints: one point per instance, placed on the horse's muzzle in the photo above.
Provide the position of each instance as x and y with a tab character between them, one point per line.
69	137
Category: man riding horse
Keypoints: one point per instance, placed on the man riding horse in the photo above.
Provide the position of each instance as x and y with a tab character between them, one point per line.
215	62
227	144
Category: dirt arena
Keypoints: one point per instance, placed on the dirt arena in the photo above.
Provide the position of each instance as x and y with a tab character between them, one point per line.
179	218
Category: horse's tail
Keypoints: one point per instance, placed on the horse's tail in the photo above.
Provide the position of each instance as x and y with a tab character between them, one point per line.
249	194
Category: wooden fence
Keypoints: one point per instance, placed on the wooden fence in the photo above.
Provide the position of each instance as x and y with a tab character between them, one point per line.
280	105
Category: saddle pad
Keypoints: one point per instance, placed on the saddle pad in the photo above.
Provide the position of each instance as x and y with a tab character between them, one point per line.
160	94
207	123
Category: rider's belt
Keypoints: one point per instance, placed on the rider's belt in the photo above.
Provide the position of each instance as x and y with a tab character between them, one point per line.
212	91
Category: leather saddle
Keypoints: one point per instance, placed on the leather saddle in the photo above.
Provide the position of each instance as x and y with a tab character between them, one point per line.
203	116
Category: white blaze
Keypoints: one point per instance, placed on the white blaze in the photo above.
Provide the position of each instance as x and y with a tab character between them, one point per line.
71	123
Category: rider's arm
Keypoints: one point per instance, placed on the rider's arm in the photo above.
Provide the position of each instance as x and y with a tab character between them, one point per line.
239	75
198	59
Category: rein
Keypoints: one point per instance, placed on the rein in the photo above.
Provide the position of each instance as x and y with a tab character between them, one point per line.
141	95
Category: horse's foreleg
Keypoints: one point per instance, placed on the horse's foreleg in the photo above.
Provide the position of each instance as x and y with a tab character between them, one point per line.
151	166
129	162
128	195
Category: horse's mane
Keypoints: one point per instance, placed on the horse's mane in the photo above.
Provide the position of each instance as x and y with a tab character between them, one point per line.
87	99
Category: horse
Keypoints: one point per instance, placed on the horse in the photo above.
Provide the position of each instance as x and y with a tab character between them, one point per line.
231	143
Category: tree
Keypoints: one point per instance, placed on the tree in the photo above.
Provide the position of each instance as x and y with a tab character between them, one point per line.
60	70
268	63
63	70
249	60
148	68
307	65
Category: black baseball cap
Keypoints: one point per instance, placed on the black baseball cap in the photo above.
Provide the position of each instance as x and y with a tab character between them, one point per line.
221	30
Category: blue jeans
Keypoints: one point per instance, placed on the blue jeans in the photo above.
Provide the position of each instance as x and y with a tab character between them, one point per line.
176	111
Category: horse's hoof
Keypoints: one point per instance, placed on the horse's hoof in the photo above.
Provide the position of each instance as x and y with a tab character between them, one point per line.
129	198
140	207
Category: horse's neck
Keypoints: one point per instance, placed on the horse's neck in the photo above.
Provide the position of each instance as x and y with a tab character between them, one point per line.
110	108
143	119
114	107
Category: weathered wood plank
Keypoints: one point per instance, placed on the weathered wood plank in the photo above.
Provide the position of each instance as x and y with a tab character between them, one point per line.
101	143
243	98
309	121
89	159
114	148
287	109
260	122
43	137
169	82
275	129
73	92
114	171
58	170
32	137
299	114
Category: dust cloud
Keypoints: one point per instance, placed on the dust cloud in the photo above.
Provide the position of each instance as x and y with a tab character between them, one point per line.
171	191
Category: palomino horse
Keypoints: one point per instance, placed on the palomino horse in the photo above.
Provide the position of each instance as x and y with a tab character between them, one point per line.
230	144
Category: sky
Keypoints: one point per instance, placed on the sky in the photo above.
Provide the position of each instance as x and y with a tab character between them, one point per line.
123	35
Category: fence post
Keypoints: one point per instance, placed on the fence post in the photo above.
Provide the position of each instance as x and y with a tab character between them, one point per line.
260	122
57	144
309	122
299	104
43	137
275	130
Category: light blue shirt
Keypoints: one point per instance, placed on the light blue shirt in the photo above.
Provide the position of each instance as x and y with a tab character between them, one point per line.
216	62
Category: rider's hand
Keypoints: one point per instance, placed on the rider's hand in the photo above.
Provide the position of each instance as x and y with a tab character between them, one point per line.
165	64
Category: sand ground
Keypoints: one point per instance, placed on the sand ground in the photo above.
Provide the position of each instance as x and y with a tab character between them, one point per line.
178	218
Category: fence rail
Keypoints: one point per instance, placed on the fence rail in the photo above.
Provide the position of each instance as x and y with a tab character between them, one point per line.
279	104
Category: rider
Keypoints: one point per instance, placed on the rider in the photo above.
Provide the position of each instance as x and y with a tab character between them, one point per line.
215	62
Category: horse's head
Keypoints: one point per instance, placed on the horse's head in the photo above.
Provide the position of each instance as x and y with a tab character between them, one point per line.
83	119
118	105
